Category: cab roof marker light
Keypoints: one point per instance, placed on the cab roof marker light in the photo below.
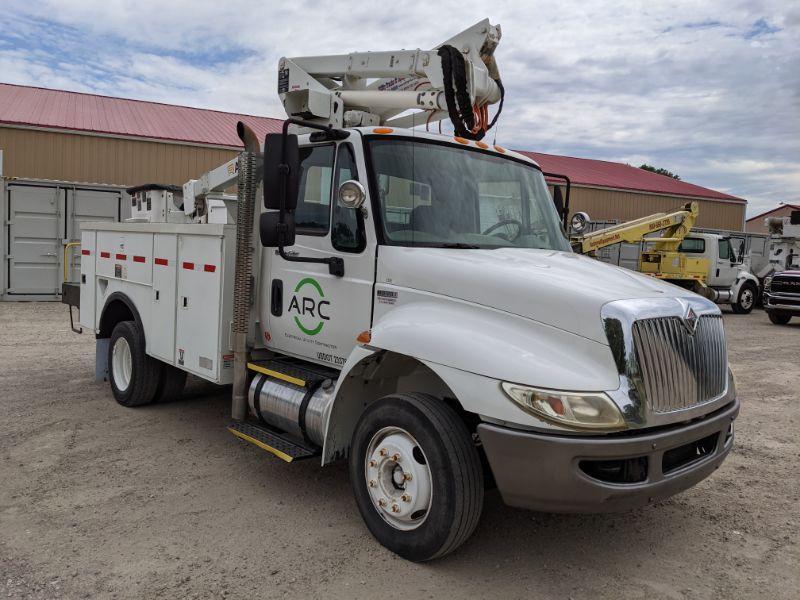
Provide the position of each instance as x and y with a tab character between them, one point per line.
461	140
500	149
383	130
482	145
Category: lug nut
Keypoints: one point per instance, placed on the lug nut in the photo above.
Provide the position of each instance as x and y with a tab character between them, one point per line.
382	502
395	508
382	452
373	463
396	456
406	476
405	498
371	483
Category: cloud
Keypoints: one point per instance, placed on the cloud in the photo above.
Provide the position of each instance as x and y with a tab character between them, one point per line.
708	90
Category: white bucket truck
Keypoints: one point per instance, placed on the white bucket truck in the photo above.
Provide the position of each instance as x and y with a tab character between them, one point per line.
413	306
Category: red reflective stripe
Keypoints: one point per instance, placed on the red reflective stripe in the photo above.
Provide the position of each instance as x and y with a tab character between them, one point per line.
105	255
85	252
138	259
161	261
121	257
188	266
210	268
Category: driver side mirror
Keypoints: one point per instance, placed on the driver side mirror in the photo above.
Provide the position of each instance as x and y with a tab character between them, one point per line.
281	171
281	188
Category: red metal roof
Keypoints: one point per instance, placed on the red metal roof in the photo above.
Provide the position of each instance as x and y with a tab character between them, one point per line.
601	173
41	107
58	109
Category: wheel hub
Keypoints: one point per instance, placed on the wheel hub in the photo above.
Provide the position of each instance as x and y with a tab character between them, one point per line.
121	364
398	478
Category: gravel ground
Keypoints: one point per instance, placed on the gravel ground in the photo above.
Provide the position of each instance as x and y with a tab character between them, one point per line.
97	500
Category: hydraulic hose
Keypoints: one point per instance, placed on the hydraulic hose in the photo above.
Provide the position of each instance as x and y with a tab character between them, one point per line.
243	278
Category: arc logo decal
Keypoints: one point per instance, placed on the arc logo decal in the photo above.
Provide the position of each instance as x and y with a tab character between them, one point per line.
309	305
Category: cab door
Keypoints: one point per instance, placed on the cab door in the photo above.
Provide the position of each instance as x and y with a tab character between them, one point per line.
725	270
313	314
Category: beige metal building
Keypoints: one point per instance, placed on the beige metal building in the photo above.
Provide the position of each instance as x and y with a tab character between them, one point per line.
68	156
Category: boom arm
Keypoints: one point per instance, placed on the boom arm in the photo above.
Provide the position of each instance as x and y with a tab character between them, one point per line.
675	225
373	88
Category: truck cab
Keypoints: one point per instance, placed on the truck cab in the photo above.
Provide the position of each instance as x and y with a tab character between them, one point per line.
729	275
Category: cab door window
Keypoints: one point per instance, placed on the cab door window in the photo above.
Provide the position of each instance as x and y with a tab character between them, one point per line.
313	213
347	233
725	249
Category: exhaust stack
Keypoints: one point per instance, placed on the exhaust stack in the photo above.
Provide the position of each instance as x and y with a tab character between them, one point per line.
243	277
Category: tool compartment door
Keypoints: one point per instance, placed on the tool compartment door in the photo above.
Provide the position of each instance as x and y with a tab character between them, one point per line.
197	343
88	262
161	342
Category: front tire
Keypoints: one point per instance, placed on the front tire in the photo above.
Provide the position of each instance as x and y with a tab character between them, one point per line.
416	476
779	318
746	299
133	375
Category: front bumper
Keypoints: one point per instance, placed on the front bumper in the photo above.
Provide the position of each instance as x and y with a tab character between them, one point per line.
549	472
782	302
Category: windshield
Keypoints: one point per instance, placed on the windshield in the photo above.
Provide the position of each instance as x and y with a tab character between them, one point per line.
439	195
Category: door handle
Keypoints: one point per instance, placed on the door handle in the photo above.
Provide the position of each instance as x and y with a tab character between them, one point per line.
49	254
288	252
276	298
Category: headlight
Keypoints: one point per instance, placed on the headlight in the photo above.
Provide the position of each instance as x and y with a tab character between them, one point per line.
591	410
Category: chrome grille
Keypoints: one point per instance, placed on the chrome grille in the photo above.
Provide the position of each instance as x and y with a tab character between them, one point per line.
680	369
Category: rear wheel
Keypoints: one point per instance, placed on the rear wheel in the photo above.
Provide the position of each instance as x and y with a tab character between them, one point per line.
746	299
170	383
779	318
133	375
416	476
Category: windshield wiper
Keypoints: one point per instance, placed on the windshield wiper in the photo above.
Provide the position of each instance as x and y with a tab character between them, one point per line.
460	245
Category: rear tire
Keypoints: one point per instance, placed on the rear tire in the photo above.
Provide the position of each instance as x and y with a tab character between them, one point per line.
779	318
746	300
443	511
170	384
132	374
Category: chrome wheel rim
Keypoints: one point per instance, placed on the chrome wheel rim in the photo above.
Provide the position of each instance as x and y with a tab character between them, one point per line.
121	364
398	478
746	298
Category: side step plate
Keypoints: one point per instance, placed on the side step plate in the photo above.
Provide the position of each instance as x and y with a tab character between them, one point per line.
294	371
273	441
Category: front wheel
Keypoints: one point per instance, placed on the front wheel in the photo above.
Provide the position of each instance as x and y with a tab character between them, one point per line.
416	476
779	318
746	299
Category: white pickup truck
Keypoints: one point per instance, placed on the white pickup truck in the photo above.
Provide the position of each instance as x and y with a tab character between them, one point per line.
414	306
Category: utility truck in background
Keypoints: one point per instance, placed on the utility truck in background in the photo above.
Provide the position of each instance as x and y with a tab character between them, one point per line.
782	285
705	263
409	301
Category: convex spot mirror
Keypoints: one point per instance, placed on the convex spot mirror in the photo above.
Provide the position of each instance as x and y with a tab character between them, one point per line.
579	222
269	229
351	194
281	159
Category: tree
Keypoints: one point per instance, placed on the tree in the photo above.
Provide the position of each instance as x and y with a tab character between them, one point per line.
653	169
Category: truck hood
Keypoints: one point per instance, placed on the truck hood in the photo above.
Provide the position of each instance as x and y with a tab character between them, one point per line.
560	289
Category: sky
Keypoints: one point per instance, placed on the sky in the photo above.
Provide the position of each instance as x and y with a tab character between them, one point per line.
709	90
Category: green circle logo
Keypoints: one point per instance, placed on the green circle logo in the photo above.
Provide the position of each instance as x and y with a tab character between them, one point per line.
309	306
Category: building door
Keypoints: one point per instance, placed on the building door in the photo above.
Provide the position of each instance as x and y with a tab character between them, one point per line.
41	219
34	240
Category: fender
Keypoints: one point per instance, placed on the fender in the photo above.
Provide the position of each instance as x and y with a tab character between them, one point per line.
470	348
741	278
104	329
